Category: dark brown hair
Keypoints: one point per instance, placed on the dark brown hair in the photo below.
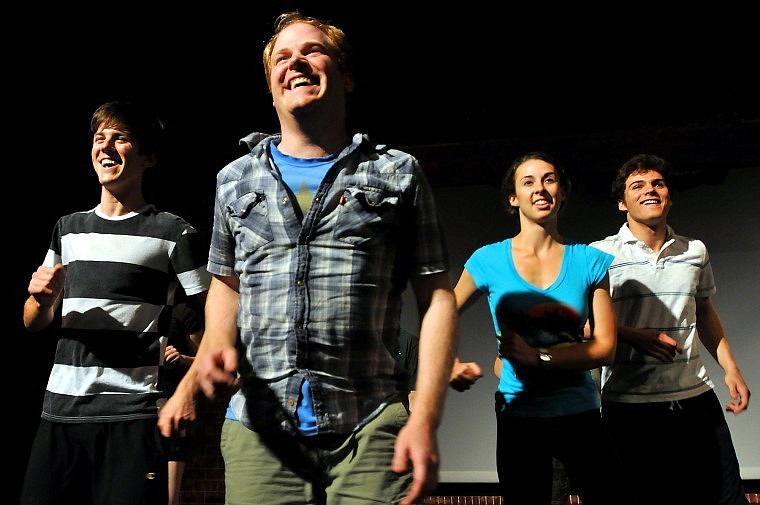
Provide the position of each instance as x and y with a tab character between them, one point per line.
143	125
508	181
639	163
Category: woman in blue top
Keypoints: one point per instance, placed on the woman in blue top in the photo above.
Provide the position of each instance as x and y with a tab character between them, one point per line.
542	288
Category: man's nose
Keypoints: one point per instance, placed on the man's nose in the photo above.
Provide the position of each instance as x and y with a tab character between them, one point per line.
107	144
296	60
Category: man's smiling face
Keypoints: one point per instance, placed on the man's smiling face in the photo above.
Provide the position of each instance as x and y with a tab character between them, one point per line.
646	198
304	69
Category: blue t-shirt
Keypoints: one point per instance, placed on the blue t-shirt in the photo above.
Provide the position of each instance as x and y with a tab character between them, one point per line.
307	420
303	176
549	317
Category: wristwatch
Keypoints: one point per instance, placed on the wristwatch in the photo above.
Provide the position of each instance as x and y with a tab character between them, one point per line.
544	358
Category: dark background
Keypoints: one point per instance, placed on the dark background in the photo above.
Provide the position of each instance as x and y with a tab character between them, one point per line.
427	75
463	87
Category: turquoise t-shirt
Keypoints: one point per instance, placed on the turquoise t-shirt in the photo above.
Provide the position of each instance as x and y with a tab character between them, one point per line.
549	317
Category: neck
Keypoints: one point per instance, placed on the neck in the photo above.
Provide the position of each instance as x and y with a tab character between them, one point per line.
652	235
112	204
537	236
313	134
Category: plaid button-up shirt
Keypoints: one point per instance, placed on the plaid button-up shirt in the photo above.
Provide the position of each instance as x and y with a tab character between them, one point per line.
320	299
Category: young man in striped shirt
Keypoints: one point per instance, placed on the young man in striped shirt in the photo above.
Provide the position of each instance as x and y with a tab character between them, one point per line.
112	271
658	401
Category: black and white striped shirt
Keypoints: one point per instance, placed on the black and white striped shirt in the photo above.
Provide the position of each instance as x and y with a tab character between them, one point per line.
121	275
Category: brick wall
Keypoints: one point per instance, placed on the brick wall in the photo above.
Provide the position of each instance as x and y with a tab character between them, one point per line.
203	481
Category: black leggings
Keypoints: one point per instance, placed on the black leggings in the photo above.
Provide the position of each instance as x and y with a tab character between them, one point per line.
525	447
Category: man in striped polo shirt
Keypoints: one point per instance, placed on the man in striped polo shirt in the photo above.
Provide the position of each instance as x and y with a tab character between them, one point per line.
658	401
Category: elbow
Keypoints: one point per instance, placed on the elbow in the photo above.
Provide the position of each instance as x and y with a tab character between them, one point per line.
607	359
603	355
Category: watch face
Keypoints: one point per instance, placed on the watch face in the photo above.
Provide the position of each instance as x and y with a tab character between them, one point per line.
545	357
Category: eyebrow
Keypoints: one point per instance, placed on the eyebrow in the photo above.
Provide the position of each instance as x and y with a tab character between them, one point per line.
542	176
114	132
306	44
656	179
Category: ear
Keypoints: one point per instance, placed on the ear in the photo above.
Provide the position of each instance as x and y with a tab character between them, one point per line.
622	206
512	200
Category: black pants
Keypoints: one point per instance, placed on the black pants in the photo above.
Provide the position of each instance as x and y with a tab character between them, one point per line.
677	452
118	463
525	447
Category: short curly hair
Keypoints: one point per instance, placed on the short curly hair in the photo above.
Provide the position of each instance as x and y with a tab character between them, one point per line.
639	163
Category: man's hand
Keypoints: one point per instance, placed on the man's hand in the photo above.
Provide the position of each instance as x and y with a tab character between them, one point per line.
464	375
46	284
416	444
177	413
738	391
653	343
217	370
45	290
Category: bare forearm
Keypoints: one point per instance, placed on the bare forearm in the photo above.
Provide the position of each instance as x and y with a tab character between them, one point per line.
713	335
37	317
220	315
627	334
438	344
725	357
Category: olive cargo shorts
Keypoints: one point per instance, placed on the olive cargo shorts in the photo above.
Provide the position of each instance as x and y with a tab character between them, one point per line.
353	469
